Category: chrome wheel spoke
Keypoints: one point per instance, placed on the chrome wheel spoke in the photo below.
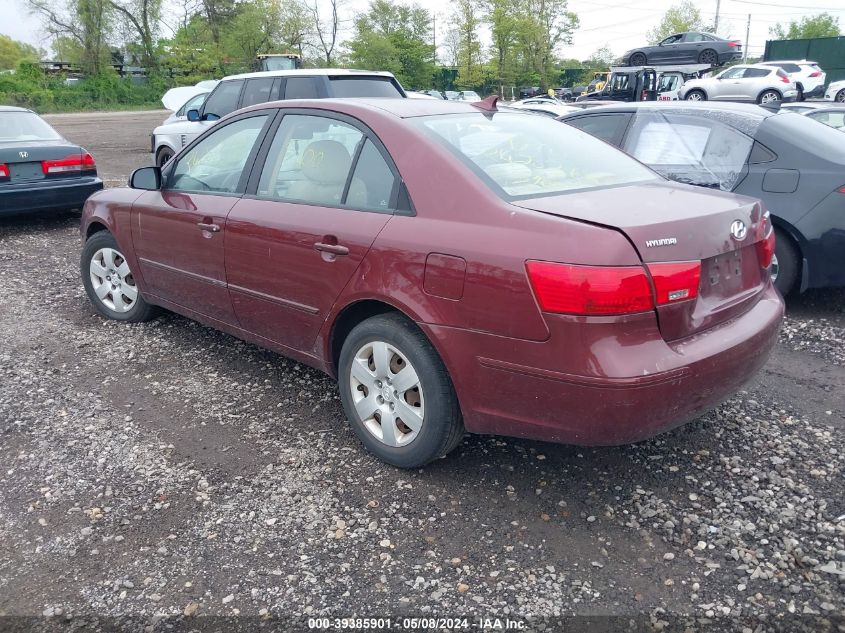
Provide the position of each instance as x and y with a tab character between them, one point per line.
411	416
130	292
108	257
102	291
97	269
366	407
362	374
381	358
389	430
405	379
123	269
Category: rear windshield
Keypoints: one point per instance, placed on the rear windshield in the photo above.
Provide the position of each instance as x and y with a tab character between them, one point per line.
364	87
527	156
25	126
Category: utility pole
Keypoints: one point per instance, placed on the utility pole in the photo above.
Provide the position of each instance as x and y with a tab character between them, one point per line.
434	34
747	33
716	22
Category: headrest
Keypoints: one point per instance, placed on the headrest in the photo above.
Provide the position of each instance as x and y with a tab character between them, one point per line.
326	162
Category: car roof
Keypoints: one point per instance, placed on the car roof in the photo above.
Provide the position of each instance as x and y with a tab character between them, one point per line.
773	62
722	106
4	108
311	72
813	105
400	108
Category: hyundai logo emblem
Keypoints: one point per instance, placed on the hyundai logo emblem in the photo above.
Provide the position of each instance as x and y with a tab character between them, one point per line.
738	230
23	154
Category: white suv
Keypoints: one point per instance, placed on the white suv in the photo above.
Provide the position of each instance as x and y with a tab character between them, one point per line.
808	76
240	91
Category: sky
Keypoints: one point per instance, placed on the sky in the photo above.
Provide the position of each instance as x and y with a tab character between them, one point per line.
619	24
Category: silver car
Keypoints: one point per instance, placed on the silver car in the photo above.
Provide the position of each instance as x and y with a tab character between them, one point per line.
754	83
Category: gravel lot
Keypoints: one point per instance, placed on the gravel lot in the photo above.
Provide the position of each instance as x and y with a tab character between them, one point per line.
165	469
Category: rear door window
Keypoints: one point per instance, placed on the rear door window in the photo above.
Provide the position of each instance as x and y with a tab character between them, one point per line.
224	99
755	73
257	91
301	88
373	183
607	127
363	87
690	149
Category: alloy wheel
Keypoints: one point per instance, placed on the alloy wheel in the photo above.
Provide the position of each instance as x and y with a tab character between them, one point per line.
695	96
840	96
769	97
387	393
708	57
112	280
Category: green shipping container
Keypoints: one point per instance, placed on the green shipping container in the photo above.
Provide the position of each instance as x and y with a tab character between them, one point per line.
827	52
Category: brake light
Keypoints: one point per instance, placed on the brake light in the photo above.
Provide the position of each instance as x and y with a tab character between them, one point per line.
786	79
590	290
69	164
766	249
4	170
840	190
675	281
733	44
818	73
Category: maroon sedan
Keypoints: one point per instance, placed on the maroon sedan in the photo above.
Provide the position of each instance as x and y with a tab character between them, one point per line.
454	266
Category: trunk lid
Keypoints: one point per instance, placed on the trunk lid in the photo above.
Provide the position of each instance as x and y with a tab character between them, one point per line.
667	222
24	159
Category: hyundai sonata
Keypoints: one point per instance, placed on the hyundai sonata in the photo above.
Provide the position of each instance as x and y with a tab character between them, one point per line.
451	267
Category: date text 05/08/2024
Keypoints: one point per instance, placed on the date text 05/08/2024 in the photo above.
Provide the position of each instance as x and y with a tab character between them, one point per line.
419	624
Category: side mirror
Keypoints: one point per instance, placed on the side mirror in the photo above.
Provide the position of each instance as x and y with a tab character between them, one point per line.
147	178
193	115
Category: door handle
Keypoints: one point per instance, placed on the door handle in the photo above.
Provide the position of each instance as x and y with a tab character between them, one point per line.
213	228
333	249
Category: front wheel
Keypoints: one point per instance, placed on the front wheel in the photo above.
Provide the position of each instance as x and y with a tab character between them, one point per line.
696	95
163	155
768	96
109	282
840	96
709	57
637	59
397	393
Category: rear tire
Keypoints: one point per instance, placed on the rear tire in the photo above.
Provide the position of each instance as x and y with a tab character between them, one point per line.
163	155
708	56
769	96
696	95
109	282
373	398
840	96
637	59
785	264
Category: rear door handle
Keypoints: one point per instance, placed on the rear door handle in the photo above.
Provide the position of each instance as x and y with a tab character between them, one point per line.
334	249
213	228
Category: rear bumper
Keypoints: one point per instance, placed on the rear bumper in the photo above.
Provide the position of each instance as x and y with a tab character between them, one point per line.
69	193
623	400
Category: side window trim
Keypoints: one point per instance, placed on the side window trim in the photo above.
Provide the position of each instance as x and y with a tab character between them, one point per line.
353	165
244	179
251	190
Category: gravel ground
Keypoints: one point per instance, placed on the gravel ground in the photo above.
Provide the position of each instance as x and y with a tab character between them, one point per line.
165	469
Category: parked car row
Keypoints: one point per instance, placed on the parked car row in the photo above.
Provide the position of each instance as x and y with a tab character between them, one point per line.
563	280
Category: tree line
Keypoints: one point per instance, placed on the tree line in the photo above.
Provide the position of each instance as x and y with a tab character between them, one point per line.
484	44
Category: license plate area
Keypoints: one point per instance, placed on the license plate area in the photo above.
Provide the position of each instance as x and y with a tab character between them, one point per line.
25	171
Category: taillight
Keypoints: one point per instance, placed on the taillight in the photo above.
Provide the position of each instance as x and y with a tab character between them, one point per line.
786	80
818	73
675	281
69	164
4	170
590	290
766	243
840	190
